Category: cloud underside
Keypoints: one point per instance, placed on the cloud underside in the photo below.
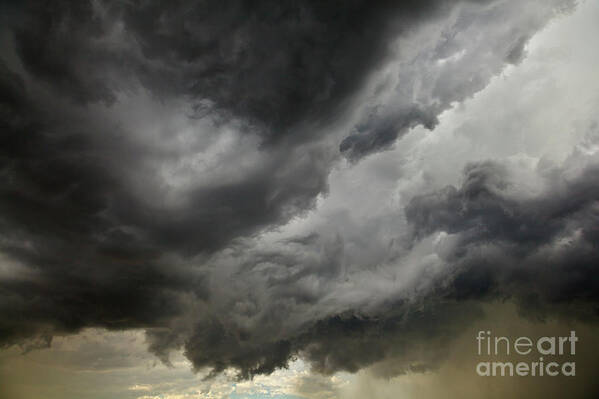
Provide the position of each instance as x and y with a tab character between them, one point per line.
146	148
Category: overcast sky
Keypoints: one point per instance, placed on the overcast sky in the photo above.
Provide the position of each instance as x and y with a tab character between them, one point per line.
294	199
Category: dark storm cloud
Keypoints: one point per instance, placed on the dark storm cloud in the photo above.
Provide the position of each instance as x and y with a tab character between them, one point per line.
95	248
68	208
273	62
540	251
95	240
413	336
82	269
276	64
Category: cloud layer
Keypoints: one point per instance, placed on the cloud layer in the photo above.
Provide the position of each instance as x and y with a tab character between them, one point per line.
224	176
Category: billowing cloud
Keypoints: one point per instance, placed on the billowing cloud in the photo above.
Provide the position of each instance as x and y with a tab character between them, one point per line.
199	170
504	240
451	63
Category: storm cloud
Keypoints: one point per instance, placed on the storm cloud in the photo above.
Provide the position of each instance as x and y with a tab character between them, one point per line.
197	170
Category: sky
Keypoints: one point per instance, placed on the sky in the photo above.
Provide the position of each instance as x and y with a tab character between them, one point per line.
295	199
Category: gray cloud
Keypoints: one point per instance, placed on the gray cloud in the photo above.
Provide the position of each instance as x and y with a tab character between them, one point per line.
504	245
274	63
451	64
148	149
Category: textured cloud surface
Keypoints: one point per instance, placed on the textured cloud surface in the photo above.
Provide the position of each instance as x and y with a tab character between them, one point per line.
347	183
